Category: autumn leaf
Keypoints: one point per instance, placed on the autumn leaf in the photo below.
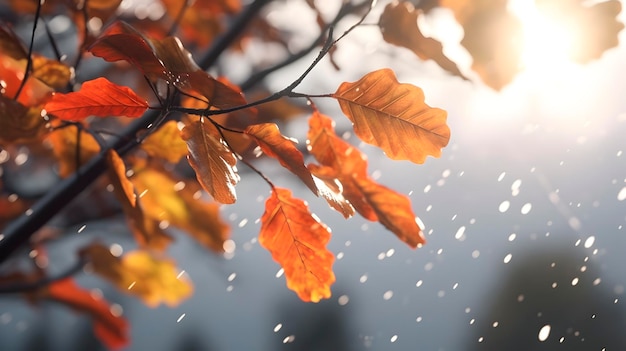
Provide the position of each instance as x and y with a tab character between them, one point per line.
346	165
179	204
297	241
117	174
394	116
140	273
18	122
63	141
112	330
398	24
275	145
166	143
213	162
492	36
594	27
98	97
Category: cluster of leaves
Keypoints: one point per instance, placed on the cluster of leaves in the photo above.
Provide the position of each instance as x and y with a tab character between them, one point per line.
180	111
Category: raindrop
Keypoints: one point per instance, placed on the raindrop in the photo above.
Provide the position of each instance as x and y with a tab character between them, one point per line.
475	254
229	246
418	319
507	258
481	339
512	236
232	277
388	295
504	206
597	281
289	339
501	176
280	273
343	300
459	233
339	255
180	318
445	173
589	242
472	321
427	188
277	327
495	324
363	278
428	266
419	283
394	338
116	250
390	252
621	196
544	332
526	208
574	281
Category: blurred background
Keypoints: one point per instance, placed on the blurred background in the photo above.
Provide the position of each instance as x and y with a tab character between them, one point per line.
524	217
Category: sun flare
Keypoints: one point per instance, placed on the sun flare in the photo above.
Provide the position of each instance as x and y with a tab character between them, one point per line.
547	42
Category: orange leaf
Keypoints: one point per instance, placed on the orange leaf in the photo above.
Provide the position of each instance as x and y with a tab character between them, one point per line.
398	24
154	280
213	162
343	163
64	146
297	241
394	116
117	173
97	97
276	145
179	204
166	143
110	329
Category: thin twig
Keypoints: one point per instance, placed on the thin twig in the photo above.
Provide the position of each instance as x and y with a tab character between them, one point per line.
29	63
30	286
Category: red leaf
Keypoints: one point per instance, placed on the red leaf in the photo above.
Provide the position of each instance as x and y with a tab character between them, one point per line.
111	330
297	241
98	97
278	146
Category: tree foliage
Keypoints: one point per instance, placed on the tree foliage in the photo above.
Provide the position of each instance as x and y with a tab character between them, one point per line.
169	107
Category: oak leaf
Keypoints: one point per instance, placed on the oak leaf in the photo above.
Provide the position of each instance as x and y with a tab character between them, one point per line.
179	204
213	162
394	116
98	97
398	25
343	163
297	241
112	330
153	279
275	145
166	143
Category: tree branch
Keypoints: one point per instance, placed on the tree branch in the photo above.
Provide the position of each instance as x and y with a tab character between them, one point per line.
19	231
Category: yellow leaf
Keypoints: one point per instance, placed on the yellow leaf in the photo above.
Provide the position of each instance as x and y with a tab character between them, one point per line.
166	143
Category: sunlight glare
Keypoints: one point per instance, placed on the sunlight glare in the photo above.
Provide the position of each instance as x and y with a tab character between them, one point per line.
547	42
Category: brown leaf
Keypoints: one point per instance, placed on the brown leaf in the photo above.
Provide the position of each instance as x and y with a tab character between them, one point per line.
394	116
213	162
179	204
110	329
53	73
153	279
343	163
98	97
166	143
398	24
275	145
297	241
117	174
19	123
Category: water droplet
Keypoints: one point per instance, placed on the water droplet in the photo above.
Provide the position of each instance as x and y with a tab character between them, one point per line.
504	206
390	252
388	295
459	233
180	318
526	208
280	273
544	332
495	324
277	327
232	277
363	278
418	319
343	300
393	338
475	254
621	196
501	176
574	281
289	339
427	188
589	242
116	250
419	283
507	258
